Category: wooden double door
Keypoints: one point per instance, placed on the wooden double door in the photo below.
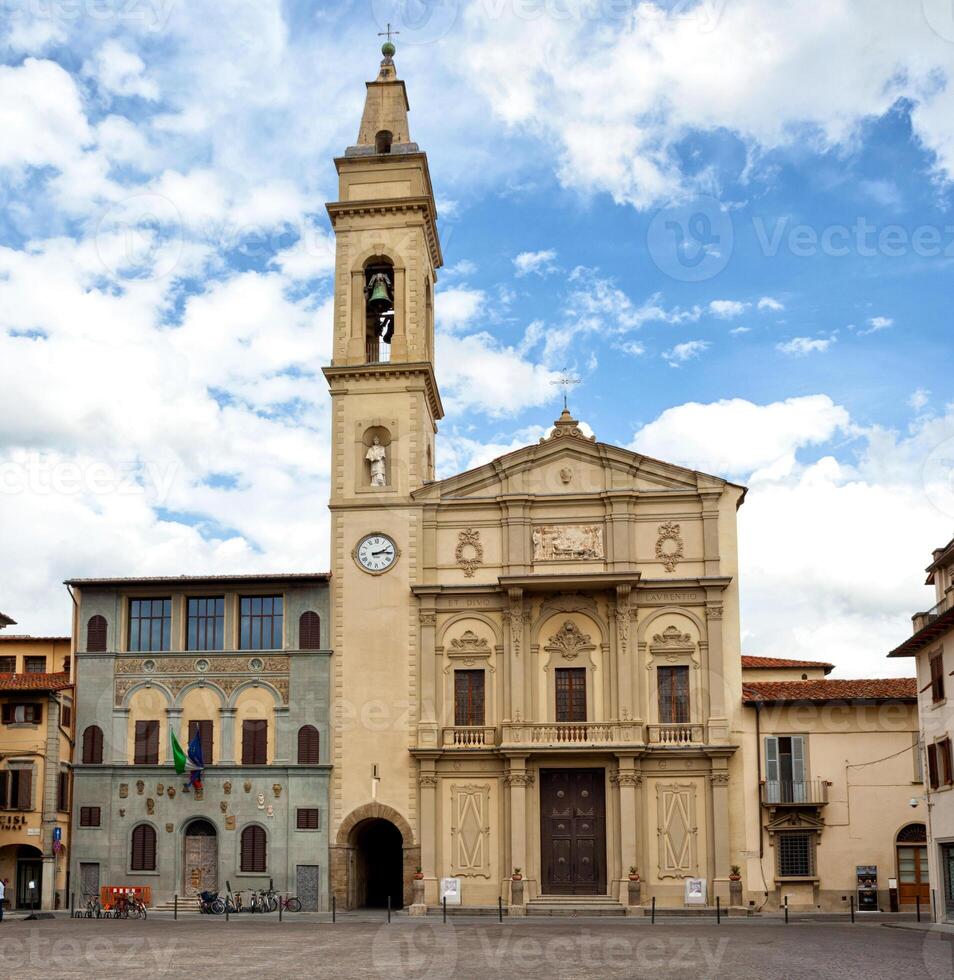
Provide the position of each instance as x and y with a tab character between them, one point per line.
573	831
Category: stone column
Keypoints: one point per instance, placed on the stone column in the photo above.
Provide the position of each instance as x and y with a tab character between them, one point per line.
718	722
623	659
514	618
428	726
47	882
719	780
518	779
227	736
627	779
399	340
428	831
173	723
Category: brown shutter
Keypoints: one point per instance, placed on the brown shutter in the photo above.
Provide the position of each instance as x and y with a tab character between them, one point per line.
254	742
63	791
147	743
308	818
204	728
4	784
932	765
253	849
93	745
309	631
143	848
308	745
96	634
24	789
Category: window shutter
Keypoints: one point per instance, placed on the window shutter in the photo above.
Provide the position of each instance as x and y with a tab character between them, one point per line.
309	631
932	765
24	789
798	768
253	849
308	745
93	745
96	634
308	818
63	791
143	848
7	713
773	790
254	742
4	782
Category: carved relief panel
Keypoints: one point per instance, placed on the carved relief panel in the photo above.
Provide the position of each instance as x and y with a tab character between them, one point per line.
470	831
677	830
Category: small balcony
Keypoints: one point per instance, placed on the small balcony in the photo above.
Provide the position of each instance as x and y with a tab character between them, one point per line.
676	735
469	737
804	792
923	619
572	735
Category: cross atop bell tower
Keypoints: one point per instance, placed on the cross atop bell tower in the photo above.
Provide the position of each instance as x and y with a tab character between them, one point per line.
387	253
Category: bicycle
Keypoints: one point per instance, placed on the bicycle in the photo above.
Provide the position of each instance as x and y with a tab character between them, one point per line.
289	903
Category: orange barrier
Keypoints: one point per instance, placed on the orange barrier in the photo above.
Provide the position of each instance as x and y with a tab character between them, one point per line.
109	893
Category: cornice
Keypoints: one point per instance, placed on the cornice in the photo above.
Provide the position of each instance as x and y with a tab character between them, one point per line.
391	369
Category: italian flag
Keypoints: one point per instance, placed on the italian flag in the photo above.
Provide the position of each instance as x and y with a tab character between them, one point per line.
188	762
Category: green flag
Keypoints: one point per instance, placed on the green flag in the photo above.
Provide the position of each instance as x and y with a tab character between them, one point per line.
179	757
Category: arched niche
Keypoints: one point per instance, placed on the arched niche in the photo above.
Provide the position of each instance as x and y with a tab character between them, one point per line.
469	642
570	640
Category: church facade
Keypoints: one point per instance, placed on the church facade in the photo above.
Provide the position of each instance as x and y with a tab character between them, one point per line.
537	674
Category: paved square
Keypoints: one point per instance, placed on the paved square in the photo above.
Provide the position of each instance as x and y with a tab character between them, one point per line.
412	949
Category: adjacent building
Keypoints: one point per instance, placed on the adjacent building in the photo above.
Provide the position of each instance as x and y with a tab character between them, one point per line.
36	750
240	660
932	648
831	768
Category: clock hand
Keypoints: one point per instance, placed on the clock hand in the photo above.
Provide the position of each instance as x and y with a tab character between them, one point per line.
383	551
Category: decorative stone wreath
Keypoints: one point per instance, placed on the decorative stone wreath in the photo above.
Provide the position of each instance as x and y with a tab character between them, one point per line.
469	552
671	553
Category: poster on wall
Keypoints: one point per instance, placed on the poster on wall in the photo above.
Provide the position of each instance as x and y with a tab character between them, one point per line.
450	890
695	891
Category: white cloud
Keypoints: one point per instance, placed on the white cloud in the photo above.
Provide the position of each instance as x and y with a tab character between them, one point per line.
768	303
800	346
726	309
738	331
633	348
687	351
737	437
456	307
876	324
120	71
540	263
919	398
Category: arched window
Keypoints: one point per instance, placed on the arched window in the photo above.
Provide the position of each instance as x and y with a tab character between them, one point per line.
913	833
382	141
96	634
253	849
92	745
379	309
309	631
143	857
308	745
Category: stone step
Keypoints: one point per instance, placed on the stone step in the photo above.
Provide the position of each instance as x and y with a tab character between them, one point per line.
575	905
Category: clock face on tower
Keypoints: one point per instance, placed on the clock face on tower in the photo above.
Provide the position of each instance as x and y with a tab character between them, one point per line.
376	553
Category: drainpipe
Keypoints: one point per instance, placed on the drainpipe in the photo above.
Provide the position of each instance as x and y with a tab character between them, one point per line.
758	776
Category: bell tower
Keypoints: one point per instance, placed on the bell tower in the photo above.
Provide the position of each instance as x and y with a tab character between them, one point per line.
385	410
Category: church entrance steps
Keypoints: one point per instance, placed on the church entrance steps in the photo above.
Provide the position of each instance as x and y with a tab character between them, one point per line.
185	905
575	905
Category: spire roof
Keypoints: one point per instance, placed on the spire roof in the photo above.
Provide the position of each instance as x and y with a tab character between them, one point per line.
384	126
567	426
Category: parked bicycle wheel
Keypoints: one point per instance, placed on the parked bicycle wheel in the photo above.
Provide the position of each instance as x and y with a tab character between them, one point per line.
293	905
217	907
272	905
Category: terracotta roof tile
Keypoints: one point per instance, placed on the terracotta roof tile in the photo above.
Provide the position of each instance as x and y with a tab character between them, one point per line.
883	689
768	662
34	682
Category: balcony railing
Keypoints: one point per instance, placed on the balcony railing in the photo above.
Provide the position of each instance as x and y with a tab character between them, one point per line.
923	619
469	737
676	734
572	734
805	792
378	351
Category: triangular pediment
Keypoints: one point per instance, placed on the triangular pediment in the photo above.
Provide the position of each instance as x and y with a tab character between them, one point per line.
571	466
795	820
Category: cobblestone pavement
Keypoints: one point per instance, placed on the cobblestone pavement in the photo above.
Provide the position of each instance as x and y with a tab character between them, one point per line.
414	949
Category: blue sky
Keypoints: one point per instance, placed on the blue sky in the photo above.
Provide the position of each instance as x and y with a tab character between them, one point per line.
732	221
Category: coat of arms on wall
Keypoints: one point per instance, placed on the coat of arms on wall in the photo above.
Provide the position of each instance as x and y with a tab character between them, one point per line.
669	545
570	641
469	553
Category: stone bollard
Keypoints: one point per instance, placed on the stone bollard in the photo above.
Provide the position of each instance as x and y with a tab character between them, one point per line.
516	897
735	892
417	905
635	892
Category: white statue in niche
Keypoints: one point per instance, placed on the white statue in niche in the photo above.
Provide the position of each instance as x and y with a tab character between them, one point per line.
376	456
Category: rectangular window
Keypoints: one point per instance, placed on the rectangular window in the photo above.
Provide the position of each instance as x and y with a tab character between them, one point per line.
4	789
260	626
21	789
673	695
66	715
937	677
21	714
89	816
147	743
204	730
66	665
150	625
571	694
795	857
205	624
932	765
785	769
254	742
8	665
309	818
946	764
34	665
468	697
63	792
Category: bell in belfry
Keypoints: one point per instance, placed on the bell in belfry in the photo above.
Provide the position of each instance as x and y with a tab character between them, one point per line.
378	292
